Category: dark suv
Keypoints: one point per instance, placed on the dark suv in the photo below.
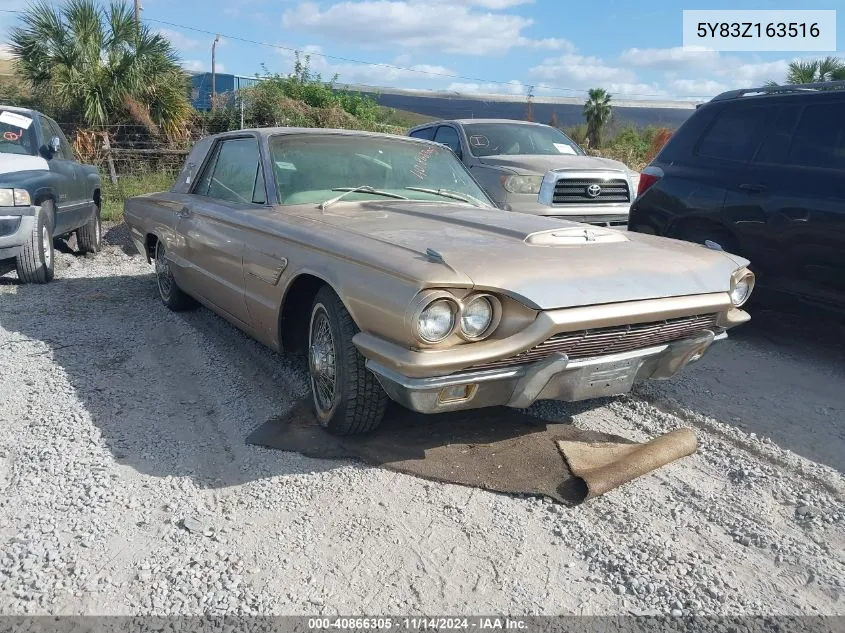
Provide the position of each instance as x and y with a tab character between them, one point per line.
761	173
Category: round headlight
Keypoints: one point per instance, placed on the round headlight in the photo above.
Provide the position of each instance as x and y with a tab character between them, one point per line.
741	291
476	317
436	321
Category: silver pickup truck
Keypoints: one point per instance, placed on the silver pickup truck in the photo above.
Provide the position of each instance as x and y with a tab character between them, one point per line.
535	168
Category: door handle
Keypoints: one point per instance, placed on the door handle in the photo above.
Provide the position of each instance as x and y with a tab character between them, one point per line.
753	188
184	212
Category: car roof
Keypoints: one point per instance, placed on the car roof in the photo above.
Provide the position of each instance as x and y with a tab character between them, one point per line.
267	132
12	108
468	121
815	89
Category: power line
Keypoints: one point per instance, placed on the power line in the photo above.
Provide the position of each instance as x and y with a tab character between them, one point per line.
385	65
381	64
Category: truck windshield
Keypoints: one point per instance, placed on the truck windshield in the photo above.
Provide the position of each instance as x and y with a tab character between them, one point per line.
17	133
494	139
316	168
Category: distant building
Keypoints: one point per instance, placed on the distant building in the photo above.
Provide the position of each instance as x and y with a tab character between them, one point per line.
223	83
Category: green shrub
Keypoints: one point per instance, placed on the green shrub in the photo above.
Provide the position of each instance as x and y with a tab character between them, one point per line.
131	185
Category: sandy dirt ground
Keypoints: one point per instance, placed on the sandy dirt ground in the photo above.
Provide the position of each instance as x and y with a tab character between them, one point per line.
126	486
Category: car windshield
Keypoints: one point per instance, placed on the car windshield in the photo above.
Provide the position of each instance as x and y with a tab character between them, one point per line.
493	139
316	168
17	133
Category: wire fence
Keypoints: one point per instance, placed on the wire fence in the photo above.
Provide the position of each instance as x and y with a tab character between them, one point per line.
132	150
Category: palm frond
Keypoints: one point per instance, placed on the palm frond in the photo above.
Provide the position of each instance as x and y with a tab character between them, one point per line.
95	62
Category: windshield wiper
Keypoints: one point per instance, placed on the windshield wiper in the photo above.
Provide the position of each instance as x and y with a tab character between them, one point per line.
448	193
363	188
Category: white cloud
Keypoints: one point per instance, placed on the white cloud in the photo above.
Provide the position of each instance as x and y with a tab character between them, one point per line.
196	65
696	87
409	24
179	40
6	52
494	4
577	68
369	74
676	58
513	87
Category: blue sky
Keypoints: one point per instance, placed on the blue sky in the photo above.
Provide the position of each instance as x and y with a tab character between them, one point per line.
633	48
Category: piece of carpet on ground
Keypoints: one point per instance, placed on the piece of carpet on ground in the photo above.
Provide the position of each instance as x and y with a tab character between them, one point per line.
497	449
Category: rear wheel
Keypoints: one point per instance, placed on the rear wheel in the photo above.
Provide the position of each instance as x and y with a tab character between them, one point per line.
35	262
171	294
348	398
89	236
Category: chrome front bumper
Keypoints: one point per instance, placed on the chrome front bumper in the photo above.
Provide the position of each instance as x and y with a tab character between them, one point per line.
554	378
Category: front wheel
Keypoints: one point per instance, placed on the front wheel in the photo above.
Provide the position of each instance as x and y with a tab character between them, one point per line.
35	262
348	398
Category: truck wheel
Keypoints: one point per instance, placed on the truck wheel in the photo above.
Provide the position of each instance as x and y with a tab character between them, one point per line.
89	236
171	295
35	261
348	398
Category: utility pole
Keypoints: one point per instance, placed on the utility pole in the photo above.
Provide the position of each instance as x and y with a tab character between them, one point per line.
214	69
137	17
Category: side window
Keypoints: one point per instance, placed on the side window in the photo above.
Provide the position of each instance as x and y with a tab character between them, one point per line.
448	135
734	134
46	133
234	173
64	149
819	139
775	147
426	133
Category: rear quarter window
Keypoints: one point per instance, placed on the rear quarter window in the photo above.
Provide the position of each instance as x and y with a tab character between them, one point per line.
734	133
426	133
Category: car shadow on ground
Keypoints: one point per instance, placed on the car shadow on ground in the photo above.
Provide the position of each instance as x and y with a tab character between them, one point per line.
172	394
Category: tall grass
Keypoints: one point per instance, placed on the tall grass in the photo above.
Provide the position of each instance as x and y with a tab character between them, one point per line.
131	185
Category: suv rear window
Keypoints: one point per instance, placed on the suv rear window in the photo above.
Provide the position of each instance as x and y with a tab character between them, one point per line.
734	134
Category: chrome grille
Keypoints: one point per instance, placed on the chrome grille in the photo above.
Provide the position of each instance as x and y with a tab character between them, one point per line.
610	340
574	191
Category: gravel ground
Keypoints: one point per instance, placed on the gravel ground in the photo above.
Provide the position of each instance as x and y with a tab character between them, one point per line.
126	486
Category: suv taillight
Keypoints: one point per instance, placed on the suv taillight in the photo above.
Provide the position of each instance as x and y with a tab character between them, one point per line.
648	177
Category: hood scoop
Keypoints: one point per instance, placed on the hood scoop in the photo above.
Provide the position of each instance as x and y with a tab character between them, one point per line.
575	236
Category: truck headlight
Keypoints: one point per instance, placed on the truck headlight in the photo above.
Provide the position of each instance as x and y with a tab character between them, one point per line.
742	283
437	320
522	184
634	179
14	198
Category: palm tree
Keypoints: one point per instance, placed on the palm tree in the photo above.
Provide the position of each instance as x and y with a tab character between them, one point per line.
597	111
97	63
810	71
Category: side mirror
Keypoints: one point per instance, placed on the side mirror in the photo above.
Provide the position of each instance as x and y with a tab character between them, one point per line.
55	145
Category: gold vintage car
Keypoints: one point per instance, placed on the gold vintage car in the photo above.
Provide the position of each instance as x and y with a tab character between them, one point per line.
381	257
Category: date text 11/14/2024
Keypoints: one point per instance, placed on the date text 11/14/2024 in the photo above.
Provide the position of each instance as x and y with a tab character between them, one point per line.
481	623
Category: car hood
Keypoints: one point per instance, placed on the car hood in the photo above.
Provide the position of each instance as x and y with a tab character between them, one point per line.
20	162
540	164
544	263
